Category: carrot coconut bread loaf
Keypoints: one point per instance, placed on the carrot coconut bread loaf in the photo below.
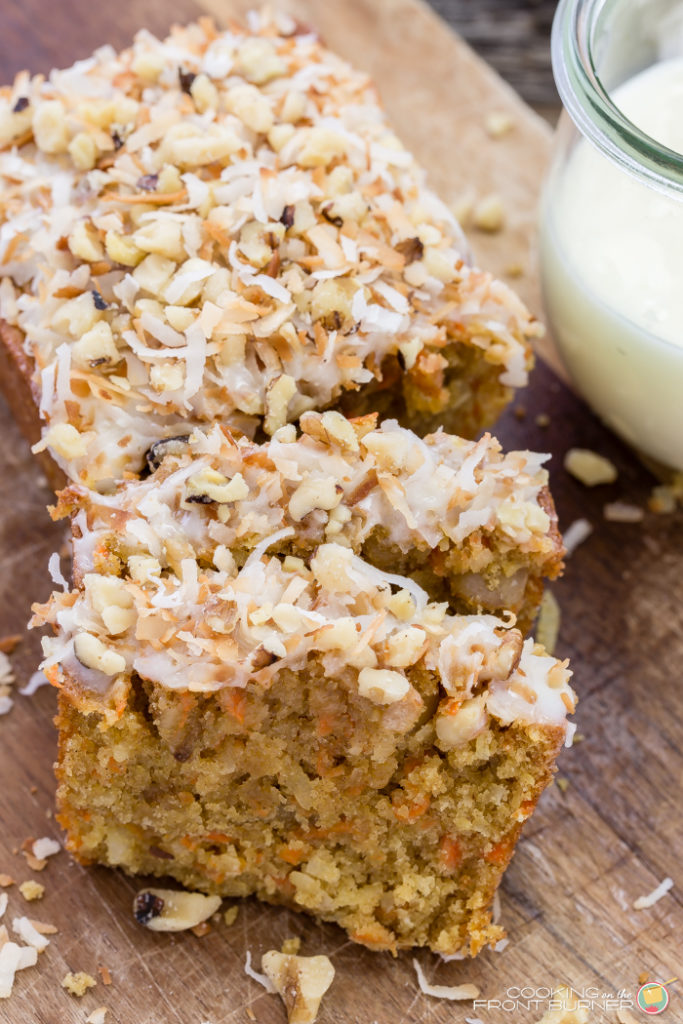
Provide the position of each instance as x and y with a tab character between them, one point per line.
248	706
222	226
473	527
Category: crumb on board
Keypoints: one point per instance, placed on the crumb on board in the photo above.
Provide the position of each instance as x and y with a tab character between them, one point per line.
105	974
42	927
452	992
489	214
662	500
498	123
97	1016
31	890
564	1009
643	978
589	467
77	984
515	269
575	534
201	929
644	902
9	643
548	622
230	915
301	982
543	420
562	783
520	412
6	881
462	207
623	512
291	946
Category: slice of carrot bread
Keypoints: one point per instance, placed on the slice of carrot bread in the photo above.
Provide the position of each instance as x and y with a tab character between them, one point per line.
221	226
473	527
305	727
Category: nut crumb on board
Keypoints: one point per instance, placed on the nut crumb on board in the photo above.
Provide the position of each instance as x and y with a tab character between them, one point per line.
105	974
9	643
301	981
78	984
31	890
452	992
6	881
498	123
489	214
562	784
589	467
97	1016
230	915
565	1009
644	902
623	512
291	946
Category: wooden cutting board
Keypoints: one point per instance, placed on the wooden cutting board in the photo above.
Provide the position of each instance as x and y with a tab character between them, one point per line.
611	835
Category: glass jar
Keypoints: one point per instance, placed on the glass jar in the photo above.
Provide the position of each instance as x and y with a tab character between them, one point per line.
611	247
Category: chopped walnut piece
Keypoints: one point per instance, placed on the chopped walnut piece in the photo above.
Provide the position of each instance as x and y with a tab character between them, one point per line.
301	982
173	910
78	984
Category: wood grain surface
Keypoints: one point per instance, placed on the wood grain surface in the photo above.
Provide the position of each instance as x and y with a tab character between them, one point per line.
610	836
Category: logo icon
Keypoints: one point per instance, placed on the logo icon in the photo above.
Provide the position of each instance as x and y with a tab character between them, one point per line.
652	998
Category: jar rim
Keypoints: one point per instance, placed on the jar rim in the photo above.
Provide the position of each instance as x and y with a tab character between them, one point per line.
575	27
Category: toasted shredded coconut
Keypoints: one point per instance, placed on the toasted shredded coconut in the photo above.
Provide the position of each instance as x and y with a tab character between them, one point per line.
37	680
278	202
575	534
262	979
644	902
31	936
453	992
623	512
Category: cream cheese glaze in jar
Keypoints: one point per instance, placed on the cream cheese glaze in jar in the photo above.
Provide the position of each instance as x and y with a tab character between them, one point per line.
611	245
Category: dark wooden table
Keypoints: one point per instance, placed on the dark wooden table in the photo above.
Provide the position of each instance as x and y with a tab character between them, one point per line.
514	37
593	846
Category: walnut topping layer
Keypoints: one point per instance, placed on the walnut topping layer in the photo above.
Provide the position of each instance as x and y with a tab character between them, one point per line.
204	595
221	225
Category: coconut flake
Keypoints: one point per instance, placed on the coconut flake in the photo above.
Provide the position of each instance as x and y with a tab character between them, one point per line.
452	992
4	898
55	570
45	847
262	979
644	902
37	680
579	531
26	931
6	705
